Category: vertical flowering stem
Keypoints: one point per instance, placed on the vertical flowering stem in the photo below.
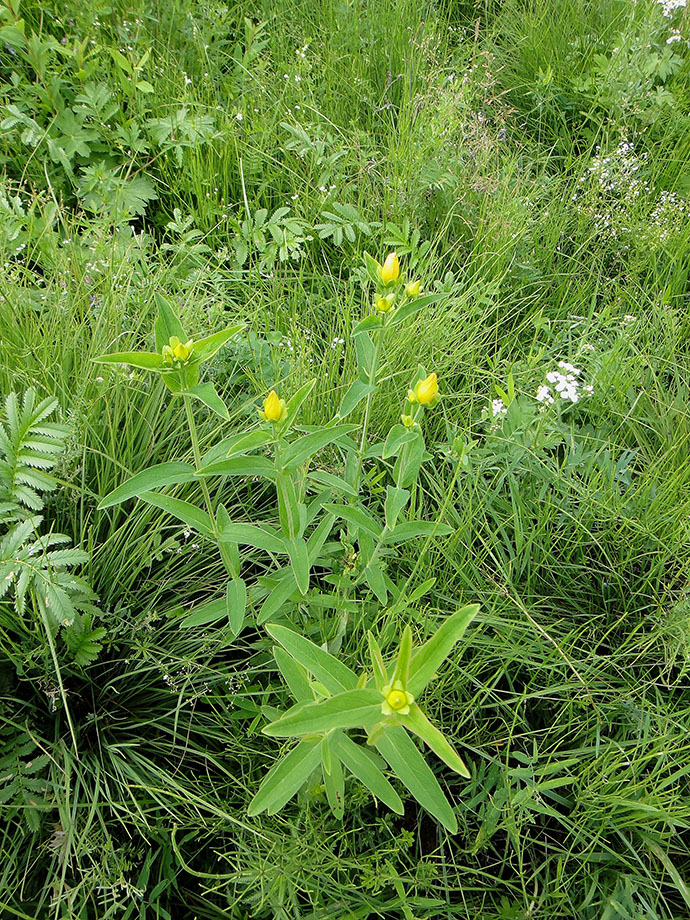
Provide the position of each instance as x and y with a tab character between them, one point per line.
225	555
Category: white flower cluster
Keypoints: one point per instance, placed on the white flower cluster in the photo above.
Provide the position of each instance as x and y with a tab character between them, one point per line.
498	407
567	384
669	7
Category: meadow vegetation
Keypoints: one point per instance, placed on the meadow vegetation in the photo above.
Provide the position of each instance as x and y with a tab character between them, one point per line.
180	173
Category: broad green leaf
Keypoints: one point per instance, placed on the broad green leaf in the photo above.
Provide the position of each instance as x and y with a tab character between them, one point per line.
185	511
279	595
299	559
294	675
415	721
357	391
328	669
397	437
409	460
430	656
143	359
163	474
236	600
207	613
236	445
260	537
294	403
357	516
374	577
284	779
350	709
410	529
361	765
413	771
167	323
334	782
206	348
396	500
413	306
240	466
206	393
305	447
333	482
365	356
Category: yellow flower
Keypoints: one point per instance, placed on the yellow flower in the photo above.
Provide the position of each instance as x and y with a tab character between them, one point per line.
426	390
396	700
412	288
274	408
383	304
390	270
176	350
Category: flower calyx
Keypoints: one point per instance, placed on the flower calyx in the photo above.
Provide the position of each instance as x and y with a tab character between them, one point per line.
396	699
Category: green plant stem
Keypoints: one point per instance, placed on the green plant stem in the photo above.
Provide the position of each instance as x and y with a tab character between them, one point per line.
365	424
53	654
225	555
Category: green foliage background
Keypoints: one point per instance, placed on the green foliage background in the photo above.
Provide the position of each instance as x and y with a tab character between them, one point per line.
529	159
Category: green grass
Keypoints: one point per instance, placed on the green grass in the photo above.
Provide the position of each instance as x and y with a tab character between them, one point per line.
470	137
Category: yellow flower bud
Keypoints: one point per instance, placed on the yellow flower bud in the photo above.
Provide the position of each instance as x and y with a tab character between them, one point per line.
425	391
412	288
182	352
383	304
396	700
390	270
407	420
273	407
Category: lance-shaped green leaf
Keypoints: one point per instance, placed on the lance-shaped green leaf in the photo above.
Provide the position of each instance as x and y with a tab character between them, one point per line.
366	352
167	323
416	722
236	601
370	323
408	530
396	500
163	474
284	779
377	663
357	516
236	445
280	594
357	391
144	359
206	393
318	537
240	466
413	771
372	267
398	436
185	511
295	402
413	306
260	537
206	348
299	560
402	664
288	506
305	447
294	675
332	673
205	614
429	657
334	783
332	482
361	765
350	709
